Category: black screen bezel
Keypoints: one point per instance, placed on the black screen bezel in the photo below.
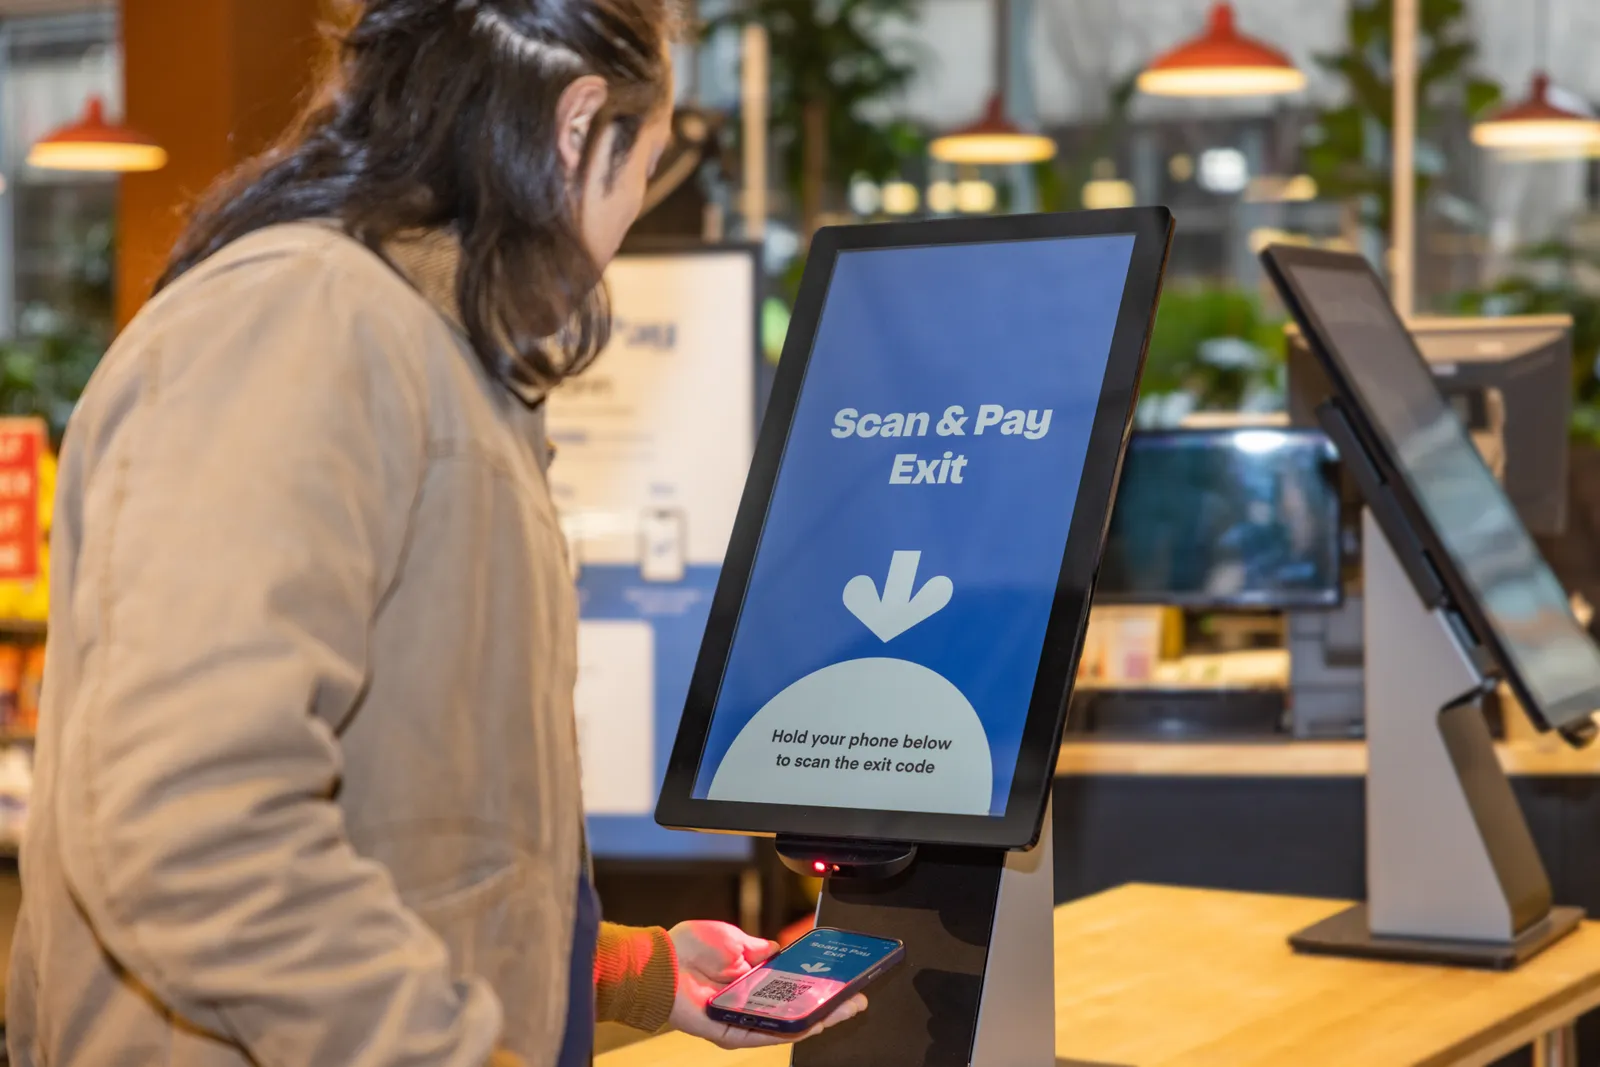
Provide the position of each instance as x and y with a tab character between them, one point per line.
1330	598
1019	827
1281	262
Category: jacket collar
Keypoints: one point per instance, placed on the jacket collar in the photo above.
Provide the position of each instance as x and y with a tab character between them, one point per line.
429	260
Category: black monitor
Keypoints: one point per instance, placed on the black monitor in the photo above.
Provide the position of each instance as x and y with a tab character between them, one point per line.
1448	519
899	617
1238	518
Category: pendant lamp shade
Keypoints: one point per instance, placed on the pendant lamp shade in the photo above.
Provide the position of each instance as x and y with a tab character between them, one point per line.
1539	125
1221	62
993	139
93	144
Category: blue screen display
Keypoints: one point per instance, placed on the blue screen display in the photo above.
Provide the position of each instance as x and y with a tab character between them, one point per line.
885	654
840	954
807	975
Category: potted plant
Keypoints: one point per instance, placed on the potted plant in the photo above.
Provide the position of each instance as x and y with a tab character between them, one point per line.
831	66
60	340
1347	149
1212	349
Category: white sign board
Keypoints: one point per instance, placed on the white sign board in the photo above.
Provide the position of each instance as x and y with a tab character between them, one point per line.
654	440
653	444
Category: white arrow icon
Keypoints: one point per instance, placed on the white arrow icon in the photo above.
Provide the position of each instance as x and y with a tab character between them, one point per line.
897	610
815	968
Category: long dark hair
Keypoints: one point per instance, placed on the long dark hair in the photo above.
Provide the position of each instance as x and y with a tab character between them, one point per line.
441	114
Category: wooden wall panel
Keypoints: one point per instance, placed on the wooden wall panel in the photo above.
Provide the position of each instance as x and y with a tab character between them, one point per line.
214	81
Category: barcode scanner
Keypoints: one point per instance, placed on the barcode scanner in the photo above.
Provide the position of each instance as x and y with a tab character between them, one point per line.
820	858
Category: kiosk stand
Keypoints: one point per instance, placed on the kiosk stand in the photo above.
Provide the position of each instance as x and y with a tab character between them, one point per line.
897	731
977	988
1453	876
1457	598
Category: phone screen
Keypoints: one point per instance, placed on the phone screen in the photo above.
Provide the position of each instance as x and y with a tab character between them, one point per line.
807	975
662	545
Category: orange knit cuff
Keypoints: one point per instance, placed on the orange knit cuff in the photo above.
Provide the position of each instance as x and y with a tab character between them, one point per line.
635	976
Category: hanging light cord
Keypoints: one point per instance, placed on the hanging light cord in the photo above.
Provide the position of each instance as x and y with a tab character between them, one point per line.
1002	52
1543	44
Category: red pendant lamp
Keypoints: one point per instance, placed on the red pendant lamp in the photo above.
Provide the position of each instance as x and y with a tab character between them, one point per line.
994	139
1539	125
95	145
1544	125
1222	62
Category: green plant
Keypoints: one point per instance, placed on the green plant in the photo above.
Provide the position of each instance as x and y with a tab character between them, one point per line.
1051	187
1551	282
44	376
62	336
1214	343
1347	150
830	66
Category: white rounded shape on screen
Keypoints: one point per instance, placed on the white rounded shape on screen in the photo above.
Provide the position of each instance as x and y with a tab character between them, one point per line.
909	739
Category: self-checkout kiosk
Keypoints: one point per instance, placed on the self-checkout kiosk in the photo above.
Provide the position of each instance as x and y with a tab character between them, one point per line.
1457	599
883	680
1509	380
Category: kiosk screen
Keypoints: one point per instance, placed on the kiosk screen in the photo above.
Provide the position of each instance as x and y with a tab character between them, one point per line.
1514	597
886	649
1235	518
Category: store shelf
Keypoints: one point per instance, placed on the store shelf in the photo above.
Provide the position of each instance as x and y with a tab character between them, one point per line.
21	628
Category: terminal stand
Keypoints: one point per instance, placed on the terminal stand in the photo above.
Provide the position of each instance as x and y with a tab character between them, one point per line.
977	988
1453	876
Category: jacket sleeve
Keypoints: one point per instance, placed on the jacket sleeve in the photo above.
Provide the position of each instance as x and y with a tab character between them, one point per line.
252	454
635	976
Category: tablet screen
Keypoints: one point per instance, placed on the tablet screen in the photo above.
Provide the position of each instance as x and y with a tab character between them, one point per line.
886	649
1551	657
1244	518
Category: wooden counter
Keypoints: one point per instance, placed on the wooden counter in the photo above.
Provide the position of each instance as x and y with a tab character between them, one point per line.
1544	757
1158	977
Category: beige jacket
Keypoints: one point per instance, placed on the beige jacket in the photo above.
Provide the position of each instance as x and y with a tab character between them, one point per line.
307	784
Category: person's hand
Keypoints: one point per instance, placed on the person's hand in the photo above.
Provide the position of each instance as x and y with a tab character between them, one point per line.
710	956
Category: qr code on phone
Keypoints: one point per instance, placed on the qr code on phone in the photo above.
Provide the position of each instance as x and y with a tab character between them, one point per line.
781	990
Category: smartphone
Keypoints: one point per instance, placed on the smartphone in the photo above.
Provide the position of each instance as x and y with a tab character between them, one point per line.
798	988
662	547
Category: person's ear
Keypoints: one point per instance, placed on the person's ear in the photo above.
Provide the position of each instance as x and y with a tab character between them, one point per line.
580	102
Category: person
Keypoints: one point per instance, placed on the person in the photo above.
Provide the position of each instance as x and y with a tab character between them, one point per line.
307	775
